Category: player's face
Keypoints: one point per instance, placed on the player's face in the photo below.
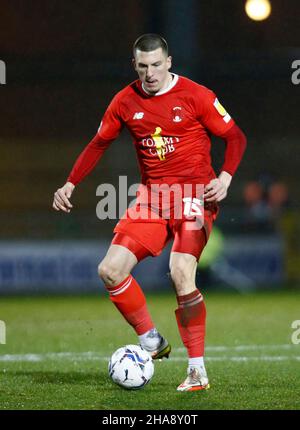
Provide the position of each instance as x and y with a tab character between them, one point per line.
153	69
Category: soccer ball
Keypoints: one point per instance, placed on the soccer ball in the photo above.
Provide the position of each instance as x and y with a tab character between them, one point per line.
131	367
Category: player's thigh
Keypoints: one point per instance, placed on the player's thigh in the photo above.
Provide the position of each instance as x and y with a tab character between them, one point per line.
133	245
187	247
152	236
188	240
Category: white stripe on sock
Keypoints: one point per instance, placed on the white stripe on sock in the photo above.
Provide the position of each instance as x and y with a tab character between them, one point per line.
122	288
192	302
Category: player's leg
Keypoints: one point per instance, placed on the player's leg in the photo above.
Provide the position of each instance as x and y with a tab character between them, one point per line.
191	311
116	265
126	294
124	291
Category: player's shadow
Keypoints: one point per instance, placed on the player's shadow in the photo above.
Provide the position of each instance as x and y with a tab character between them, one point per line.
56	377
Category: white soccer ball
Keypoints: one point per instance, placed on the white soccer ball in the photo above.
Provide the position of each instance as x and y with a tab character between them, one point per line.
131	367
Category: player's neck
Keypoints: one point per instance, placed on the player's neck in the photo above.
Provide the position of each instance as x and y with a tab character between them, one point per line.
168	82
171	80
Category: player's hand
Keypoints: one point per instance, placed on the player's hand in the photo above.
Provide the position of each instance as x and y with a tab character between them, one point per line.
216	189
61	198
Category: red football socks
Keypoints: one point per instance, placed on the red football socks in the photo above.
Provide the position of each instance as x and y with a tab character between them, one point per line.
191	315
129	299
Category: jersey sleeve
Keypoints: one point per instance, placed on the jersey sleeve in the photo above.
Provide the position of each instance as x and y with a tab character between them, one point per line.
212	115
110	127
236	143
111	124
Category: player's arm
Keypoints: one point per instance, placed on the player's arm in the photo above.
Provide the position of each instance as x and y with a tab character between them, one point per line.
235	141
217	120
84	164
109	129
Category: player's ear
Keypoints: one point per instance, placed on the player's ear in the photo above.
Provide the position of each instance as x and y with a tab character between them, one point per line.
134	63
169	62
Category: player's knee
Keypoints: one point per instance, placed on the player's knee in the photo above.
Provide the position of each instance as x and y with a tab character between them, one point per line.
109	273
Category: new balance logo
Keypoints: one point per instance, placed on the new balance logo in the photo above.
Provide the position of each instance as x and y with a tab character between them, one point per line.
138	115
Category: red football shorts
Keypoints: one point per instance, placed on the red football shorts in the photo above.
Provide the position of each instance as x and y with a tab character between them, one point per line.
145	229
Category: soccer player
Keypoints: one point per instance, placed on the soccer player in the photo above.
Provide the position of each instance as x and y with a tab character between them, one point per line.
170	119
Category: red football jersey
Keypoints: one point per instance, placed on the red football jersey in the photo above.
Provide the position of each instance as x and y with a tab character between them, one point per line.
171	130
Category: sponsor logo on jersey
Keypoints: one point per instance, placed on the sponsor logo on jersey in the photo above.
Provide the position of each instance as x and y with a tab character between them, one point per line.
222	111
159	145
138	115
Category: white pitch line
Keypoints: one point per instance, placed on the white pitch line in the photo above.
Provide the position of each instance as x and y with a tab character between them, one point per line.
245	359
221	348
93	356
73	356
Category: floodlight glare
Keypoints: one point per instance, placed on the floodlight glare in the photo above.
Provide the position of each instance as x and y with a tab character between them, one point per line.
258	10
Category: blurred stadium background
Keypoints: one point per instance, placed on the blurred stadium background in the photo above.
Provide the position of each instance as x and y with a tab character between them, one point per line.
65	61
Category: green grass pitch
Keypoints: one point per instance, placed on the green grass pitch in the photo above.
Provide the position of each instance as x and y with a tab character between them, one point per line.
57	350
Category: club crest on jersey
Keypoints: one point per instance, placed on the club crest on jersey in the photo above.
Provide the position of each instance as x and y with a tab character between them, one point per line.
177	114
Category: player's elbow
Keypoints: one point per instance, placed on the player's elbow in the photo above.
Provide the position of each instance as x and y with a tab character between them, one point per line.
241	138
236	139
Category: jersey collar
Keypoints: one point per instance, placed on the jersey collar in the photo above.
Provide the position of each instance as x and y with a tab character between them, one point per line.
169	87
